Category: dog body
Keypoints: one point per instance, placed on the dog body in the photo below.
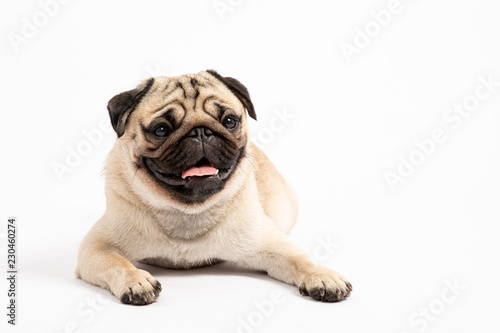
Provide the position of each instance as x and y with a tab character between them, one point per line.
185	189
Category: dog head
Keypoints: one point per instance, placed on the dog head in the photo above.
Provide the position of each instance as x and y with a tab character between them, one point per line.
186	136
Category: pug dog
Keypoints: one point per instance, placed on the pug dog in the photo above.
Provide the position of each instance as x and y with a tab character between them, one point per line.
185	188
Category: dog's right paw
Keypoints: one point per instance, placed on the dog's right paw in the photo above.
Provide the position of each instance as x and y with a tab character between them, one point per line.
325	285
138	287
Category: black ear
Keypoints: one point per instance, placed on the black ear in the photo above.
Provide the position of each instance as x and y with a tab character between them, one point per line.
121	106
238	89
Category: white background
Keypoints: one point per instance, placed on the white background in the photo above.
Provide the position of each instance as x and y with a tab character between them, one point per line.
351	120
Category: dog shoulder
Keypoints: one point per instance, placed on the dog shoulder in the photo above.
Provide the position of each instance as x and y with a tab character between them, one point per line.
275	194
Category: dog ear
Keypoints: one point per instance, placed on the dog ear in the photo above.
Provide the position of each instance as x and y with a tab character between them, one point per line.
121	106
238	89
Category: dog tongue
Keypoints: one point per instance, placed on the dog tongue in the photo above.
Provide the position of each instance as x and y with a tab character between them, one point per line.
200	171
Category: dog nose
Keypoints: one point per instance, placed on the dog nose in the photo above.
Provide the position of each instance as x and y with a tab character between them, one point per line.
200	134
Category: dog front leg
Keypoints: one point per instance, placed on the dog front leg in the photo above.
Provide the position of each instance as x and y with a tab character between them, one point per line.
101	264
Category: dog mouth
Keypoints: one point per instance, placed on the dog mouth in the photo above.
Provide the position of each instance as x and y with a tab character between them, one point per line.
202	171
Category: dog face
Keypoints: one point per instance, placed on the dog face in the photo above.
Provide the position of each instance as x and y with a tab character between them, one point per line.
186	135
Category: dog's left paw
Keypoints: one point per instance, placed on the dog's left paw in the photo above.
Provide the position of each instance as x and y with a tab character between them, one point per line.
325	285
138	287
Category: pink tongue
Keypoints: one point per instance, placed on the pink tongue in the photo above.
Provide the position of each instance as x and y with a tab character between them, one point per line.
200	171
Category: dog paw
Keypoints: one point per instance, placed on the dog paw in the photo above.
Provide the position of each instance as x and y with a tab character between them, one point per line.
325	285
138	288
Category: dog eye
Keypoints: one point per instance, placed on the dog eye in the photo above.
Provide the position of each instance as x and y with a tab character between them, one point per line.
161	131
230	122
